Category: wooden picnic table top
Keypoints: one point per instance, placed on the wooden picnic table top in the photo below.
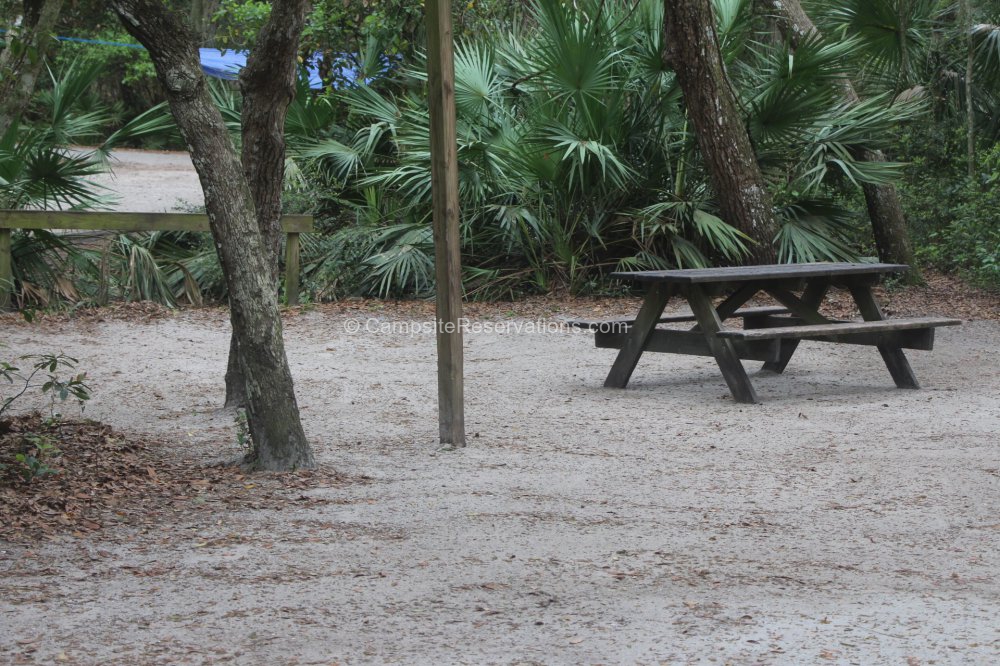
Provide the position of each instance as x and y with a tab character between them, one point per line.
766	272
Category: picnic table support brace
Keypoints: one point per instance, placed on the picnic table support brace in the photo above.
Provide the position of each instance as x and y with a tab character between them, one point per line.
6	270
638	334
734	302
723	350
812	298
895	359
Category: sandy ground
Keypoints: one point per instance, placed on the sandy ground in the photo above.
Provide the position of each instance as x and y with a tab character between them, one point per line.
145	181
841	521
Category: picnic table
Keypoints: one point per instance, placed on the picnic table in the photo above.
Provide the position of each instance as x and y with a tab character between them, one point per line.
769	334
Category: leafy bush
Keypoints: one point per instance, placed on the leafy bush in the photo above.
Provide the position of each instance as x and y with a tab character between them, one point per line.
40	167
36	449
956	222
52	385
576	156
34	460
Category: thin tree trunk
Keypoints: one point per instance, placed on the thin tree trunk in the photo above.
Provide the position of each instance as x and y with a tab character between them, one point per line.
272	412
970	109
885	210
20	67
902	14
268	87
692	49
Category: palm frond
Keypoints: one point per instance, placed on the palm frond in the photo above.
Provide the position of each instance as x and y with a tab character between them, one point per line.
986	42
404	262
154	122
813	230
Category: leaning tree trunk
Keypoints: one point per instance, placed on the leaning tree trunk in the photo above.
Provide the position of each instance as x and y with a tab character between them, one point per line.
692	50
272	412
20	67
892	236
268	87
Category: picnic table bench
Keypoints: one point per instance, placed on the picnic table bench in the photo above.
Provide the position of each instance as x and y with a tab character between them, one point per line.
770	334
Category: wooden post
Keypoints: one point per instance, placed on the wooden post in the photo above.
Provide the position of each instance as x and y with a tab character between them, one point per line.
292	269
6	270
447	248
293	225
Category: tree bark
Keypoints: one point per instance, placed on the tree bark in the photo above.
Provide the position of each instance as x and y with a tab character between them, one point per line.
236	393
965	18
20	66
885	210
272	412
268	87
692	51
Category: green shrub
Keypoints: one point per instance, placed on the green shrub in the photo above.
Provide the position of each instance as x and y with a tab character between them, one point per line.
955	222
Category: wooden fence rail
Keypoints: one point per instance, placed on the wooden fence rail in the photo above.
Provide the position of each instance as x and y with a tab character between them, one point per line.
292	225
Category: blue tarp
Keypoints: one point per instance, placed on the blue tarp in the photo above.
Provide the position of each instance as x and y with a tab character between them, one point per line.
228	65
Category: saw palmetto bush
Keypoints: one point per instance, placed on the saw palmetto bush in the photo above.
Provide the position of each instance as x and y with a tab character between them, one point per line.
41	168
576	157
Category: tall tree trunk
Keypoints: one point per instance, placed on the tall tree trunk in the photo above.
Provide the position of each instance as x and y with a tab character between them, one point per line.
885	210
272	412
20	67
692	51
268	87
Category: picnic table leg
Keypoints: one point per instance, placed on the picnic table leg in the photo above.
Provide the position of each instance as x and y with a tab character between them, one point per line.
723	350
895	359
638	334
811	297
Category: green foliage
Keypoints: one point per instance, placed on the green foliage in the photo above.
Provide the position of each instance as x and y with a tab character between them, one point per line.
575	151
956	222
40	169
45	369
575	155
894	32
132	64
34	461
240	21
354	34
37	449
954	219
126	83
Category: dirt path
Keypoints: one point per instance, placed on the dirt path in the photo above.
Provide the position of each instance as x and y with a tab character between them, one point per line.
151	181
841	521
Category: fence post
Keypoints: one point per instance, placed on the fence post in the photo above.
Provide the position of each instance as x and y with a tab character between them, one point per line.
6	270
292	269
